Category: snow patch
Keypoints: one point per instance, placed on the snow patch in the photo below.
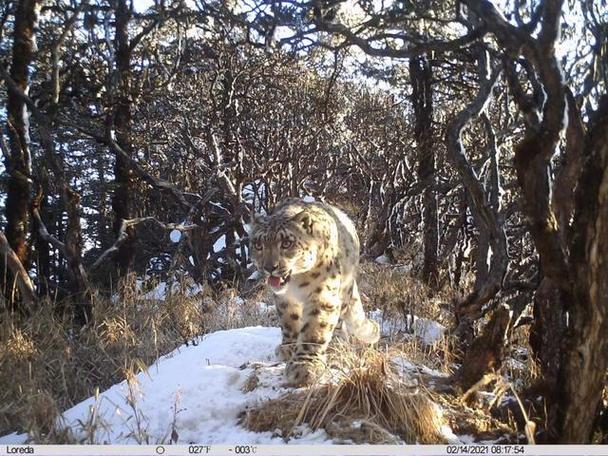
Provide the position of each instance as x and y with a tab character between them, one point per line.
383	259
199	391
265	308
159	292
411	370
220	244
175	236
255	275
429	331
198	386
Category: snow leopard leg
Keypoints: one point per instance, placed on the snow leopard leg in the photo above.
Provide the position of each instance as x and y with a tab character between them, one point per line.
356	322
290	313
321	313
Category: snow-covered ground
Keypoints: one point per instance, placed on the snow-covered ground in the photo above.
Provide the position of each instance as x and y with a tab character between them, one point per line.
194	394
196	390
428	331
159	292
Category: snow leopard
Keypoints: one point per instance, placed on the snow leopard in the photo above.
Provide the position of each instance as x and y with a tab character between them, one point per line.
309	254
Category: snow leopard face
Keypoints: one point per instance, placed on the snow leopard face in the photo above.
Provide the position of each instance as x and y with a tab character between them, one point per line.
282	247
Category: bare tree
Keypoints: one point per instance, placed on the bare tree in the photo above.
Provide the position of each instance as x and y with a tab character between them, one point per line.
421	75
122	200
569	302
18	161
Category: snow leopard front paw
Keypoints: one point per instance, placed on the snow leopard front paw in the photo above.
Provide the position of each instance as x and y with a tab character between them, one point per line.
302	373
285	352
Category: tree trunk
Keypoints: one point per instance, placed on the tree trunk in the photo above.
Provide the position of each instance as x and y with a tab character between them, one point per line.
490	224
570	332
79	283
19	163
421	75
487	217
548	331
572	302
21	281
122	200
585	353
43	251
487	351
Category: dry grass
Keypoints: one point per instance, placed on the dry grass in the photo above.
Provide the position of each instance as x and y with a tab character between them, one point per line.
365	390
601	433
227	310
475	421
363	401
438	356
47	366
398	296
396	293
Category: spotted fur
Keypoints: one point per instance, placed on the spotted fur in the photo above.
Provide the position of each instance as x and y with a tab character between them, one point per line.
310	253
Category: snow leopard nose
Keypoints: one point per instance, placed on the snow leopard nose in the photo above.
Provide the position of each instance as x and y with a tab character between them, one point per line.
270	266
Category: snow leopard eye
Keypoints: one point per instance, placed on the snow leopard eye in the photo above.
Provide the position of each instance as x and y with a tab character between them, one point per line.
257	245
286	244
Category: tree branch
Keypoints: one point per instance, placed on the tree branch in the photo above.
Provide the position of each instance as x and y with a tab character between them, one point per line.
123	235
22	280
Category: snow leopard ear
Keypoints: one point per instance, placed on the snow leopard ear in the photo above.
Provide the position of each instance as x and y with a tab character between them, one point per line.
255	221
304	220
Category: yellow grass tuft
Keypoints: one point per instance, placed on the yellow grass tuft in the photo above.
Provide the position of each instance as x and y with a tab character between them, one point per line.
18	347
364	401
116	330
48	365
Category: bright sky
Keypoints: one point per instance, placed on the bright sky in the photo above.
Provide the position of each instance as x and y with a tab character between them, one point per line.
142	5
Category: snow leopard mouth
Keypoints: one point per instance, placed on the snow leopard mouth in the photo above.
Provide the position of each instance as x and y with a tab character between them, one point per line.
279	282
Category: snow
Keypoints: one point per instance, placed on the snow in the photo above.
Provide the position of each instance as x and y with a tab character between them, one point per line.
265	308
14	439
428	331
197	389
410	370
175	236
159	292
449	436
197	393
383	259
255	275
308	199
220	244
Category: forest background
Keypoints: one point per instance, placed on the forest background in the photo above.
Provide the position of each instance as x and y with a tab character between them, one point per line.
468	139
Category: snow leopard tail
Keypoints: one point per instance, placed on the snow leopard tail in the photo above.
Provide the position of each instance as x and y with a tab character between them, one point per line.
357	324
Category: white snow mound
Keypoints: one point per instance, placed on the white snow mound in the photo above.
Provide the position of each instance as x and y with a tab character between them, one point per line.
196	394
202	382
